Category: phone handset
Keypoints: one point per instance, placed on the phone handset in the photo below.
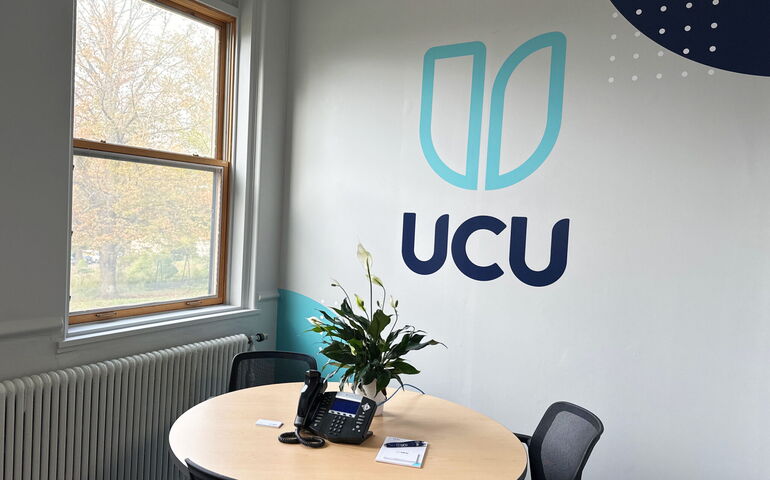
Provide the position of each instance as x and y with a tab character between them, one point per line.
309	396
313	388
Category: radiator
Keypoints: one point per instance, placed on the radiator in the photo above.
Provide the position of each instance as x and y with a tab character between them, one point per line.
108	420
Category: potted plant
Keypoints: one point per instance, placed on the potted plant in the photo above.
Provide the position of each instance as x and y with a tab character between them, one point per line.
362	340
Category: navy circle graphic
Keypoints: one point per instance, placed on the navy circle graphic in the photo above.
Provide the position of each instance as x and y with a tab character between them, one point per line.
727	34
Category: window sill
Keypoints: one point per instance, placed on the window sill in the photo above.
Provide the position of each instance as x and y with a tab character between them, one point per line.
84	334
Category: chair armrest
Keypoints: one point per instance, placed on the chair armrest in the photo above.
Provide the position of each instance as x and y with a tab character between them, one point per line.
523	438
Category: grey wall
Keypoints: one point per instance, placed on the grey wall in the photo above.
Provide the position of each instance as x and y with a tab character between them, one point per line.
35	134
659	324
36	137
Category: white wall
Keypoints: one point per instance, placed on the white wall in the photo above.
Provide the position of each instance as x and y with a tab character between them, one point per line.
659	324
36	40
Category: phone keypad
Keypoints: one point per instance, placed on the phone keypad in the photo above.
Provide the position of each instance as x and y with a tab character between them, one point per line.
338	422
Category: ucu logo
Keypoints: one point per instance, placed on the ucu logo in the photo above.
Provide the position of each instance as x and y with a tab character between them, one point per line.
557	42
516	252
494	179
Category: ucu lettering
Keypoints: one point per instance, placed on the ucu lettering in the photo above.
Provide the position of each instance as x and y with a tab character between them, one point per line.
516	253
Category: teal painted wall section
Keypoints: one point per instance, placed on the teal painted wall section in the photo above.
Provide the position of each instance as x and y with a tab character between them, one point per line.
293	311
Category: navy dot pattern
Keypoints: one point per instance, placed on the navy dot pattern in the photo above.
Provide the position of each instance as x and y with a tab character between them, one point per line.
727	34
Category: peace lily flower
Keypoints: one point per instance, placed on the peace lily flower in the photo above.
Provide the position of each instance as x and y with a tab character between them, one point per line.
365	258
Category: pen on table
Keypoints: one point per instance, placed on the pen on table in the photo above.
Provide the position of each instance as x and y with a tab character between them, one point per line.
413	443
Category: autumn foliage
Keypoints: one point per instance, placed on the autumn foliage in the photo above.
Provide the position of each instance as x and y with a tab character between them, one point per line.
142	232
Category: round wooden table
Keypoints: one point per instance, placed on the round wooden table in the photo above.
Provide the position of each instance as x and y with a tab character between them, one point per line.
220	434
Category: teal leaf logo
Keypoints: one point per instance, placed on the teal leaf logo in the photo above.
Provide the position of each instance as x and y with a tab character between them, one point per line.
494	179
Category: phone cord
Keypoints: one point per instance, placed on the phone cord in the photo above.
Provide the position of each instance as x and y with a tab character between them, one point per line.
296	437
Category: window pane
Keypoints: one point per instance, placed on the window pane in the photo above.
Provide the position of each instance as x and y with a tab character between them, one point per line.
142	233
145	76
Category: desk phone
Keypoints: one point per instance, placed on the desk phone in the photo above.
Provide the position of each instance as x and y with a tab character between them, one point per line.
339	417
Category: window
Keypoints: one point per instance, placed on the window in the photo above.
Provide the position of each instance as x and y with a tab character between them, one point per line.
151	160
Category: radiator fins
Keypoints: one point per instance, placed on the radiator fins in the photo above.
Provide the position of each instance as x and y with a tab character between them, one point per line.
108	420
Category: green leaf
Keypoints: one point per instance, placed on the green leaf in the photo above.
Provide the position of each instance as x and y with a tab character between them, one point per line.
345	307
383	378
379	321
355	345
373	349
425	344
365	375
342	357
347	374
340	326
408	342
393	335
401	367
345	312
339	352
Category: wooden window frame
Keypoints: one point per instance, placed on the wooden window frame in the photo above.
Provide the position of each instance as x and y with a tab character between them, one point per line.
222	158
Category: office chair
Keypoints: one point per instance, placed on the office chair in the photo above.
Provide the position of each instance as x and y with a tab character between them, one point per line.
199	473
252	369
562	442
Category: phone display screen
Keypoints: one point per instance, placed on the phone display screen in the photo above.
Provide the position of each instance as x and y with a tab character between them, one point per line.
345	406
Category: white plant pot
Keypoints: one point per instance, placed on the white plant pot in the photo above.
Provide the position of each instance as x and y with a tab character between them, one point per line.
370	391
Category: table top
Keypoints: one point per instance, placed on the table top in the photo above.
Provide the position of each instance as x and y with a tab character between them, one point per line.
220	434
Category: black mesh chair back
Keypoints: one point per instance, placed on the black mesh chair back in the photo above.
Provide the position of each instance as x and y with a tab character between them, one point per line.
562	442
252	369
199	473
